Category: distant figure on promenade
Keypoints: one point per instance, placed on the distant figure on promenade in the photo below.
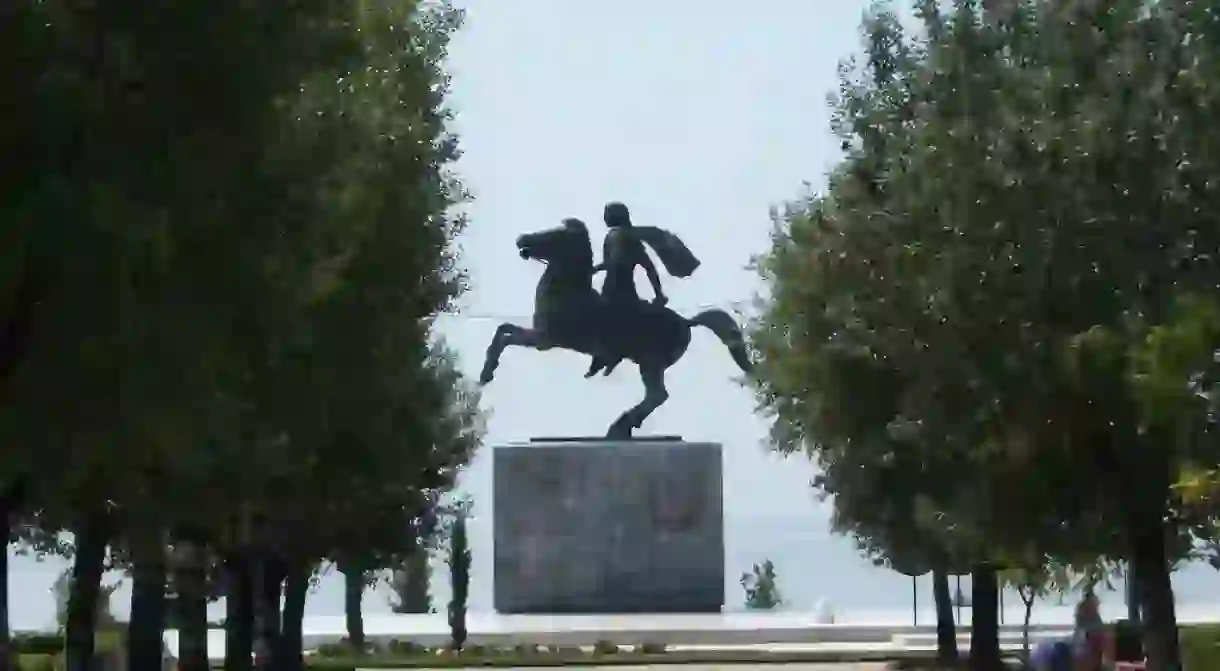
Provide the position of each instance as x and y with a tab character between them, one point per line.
1088	649
1092	640
824	611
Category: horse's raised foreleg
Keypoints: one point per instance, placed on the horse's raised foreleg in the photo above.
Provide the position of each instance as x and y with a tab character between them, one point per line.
655	394
508	335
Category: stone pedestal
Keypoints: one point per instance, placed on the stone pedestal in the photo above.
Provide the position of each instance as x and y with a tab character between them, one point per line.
597	526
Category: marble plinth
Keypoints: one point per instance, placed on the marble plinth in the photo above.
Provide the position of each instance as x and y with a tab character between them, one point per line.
597	526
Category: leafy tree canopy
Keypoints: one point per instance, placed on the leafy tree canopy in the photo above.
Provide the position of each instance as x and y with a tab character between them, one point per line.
1006	292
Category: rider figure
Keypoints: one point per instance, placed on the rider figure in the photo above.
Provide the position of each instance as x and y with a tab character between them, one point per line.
622	251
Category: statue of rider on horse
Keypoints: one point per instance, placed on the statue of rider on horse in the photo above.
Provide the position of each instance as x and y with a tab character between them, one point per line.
617	324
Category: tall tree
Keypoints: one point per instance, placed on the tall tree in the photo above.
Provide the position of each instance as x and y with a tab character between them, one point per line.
231	221
459	576
360	404
121	235
1024	197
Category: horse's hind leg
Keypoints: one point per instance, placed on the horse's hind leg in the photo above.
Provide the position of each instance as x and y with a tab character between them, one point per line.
507	335
655	394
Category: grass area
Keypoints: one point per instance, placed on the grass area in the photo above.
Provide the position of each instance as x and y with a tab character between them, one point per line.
512	657
35	662
1200	647
398	654
616	659
43	662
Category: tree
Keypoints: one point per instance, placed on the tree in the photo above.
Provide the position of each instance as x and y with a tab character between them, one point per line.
762	592
1031	584
947	653
120	236
203	272
459	577
61	590
1015	217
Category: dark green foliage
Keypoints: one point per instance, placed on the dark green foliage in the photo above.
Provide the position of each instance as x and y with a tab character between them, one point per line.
993	329
223	244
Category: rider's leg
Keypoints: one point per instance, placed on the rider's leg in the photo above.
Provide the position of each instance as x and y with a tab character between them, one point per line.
630	314
606	340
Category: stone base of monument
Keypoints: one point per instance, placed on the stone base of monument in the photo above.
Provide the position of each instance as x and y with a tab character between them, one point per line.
599	526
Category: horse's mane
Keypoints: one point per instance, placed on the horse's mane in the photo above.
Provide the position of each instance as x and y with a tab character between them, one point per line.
585	254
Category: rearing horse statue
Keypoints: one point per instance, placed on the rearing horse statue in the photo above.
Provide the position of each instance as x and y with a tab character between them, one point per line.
568	314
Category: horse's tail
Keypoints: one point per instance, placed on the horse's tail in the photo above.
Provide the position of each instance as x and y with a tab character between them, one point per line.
726	329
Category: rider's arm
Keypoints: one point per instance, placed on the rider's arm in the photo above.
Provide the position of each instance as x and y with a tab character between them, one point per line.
651	270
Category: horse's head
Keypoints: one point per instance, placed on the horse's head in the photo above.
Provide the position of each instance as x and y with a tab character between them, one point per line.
566	246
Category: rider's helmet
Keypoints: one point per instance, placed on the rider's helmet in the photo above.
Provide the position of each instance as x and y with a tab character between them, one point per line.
616	215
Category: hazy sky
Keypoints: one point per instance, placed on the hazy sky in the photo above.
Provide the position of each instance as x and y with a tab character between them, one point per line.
700	116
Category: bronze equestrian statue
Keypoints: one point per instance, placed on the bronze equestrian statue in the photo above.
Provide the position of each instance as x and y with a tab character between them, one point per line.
617	324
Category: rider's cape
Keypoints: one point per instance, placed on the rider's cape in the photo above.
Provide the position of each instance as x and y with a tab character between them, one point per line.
677	259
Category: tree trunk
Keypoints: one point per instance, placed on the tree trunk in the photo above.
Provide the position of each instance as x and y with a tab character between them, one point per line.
191	586
270	579
8	513
1133	599
91	539
946	629
985	619
6	655
353	602
1154	592
15	333
146	631
239	613
1029	612
296	586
